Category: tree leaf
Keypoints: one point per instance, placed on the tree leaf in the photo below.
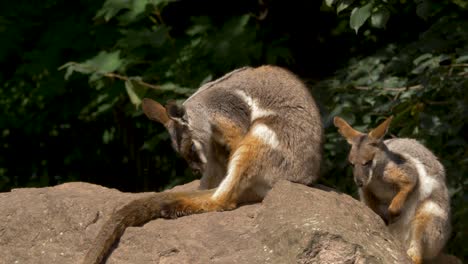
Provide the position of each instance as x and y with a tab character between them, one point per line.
461	59
343	4
104	62
111	8
359	15
330	3
422	58
134	98
136	8
380	17
423	9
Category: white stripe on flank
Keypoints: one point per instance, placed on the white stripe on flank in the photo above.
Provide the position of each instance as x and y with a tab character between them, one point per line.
230	178
266	134
201	155
426	182
432	208
256	111
371	172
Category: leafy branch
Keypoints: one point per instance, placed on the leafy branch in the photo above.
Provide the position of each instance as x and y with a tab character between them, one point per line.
397	89
132	79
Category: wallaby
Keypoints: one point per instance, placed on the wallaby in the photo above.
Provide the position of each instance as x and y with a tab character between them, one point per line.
243	133
404	183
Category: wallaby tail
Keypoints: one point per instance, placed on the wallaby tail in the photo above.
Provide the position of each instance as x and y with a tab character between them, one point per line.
143	209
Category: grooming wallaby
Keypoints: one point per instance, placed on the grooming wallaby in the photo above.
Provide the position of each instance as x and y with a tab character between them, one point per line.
243	132
404	183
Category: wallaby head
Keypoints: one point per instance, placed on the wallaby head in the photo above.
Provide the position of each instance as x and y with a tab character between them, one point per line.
364	148
173	117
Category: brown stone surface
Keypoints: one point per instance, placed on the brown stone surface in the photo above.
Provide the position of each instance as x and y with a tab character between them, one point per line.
294	224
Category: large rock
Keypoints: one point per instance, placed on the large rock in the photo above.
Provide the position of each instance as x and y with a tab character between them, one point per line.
294	224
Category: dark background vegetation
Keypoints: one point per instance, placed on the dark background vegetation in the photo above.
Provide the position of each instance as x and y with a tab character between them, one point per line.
372	59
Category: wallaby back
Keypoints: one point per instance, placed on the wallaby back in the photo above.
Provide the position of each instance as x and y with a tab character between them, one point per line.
273	96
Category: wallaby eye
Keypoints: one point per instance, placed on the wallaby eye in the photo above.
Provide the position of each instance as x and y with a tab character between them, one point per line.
367	163
193	148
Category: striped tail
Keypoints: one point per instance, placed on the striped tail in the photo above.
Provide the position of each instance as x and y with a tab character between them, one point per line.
142	210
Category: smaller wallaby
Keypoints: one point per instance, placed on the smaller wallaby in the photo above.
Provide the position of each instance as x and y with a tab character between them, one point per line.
404	183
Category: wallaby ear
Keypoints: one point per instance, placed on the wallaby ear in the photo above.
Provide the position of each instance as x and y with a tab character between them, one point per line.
349	133
155	111
174	111
379	132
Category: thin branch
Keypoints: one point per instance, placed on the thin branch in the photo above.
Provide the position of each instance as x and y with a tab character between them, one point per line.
399	89
452	66
458	65
125	78
429	102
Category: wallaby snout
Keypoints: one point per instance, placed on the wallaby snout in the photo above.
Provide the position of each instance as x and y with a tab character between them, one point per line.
358	182
361	174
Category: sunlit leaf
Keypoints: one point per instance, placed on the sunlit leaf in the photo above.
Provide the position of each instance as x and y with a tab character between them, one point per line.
129	9
136	8
359	15
461	3
343	4
330	3
134	98
461	59
69	72
104	62
111	8
421	58
380	17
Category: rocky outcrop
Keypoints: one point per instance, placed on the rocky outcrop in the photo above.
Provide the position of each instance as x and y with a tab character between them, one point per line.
294	224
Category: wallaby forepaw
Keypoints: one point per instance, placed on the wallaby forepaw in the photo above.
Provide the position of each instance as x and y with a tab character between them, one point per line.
414	255
394	211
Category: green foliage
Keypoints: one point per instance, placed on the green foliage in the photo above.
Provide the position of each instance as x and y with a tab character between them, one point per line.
74	73
151	59
362	11
379	11
359	15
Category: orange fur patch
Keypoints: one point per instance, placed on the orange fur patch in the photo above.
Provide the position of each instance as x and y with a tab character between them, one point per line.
418	226
242	158
405	186
245	154
192	203
230	133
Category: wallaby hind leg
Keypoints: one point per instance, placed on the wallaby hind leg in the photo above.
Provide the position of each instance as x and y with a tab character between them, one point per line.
243	165
429	230
415	246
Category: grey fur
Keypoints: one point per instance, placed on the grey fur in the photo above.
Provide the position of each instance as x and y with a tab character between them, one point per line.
437	232
295	119
292	116
404	183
